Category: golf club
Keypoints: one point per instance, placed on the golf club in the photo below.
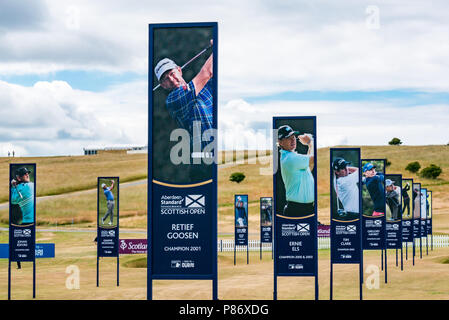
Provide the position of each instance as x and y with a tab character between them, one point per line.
190	61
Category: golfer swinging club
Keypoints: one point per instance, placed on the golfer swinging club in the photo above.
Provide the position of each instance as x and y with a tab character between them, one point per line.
295	172
374	184
346	187
190	104
110	202
393	196
241	212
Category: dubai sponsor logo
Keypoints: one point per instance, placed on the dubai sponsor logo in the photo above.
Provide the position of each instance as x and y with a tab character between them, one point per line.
195	201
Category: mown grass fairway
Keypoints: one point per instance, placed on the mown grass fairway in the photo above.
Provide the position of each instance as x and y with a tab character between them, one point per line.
75	179
426	280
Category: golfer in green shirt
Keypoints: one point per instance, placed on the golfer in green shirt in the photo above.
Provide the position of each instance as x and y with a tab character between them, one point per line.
295	172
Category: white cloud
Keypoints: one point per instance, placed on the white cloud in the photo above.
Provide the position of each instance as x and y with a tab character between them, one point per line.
265	46
52	118
338	123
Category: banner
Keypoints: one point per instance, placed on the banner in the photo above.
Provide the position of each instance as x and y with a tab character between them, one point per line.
416	210
423	212
345	182
22	212
373	204
241	219
182	189
107	216
266	219
407	210
294	180
393	196
429	212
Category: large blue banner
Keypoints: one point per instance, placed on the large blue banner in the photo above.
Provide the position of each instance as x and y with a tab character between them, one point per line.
373	204
407	210
241	219
182	152
416	210
22	211
108	216
345	184
294	183
266	220
393	195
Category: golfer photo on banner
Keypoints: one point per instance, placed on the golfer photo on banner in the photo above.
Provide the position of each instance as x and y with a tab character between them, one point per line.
416	198
22	212
407	210
373	204
295	195
108	216
345	205
241	219
393	198
266	219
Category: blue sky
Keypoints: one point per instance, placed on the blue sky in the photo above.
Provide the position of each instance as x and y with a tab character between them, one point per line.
367	71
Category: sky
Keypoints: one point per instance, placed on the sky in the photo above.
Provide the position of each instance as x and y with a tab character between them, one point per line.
73	74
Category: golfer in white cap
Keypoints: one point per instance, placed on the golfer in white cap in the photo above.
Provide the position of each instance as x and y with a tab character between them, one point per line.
190	104
109	202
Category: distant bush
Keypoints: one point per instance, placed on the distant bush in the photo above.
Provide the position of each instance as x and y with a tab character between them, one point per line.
431	172
237	177
395	142
413	167
387	162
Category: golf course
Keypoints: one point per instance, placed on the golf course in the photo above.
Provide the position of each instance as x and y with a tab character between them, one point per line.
66	211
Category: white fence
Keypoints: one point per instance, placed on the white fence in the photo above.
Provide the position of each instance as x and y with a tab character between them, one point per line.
439	241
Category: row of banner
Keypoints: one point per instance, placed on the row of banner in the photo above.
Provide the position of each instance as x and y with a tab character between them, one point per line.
370	210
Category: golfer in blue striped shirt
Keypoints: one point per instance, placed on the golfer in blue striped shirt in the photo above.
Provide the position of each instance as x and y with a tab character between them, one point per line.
190	104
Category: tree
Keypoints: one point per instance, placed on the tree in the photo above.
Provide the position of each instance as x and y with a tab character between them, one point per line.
237	177
395	142
413	167
431	172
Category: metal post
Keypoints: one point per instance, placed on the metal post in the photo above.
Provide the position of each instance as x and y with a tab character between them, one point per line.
34	278
9	279
331	282
98	271
118	266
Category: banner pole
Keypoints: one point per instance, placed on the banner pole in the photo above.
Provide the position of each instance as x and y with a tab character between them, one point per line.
331	282
260	249
397	257
406	251
247	252
9	279
402	260
386	267
118	274
98	271
420	246
235	245
382	259
34	277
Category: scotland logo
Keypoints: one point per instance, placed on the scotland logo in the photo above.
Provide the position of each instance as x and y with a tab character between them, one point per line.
195	201
26	232
123	244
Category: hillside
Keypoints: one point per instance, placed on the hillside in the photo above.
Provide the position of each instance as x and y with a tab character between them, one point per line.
63	174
